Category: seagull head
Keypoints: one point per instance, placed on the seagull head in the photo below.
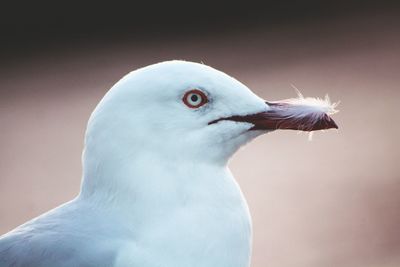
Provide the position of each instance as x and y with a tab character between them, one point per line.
185	111
176	114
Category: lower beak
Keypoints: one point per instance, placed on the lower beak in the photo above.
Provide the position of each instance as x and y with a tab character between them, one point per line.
294	114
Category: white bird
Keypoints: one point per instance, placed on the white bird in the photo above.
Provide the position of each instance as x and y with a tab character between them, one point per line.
156	190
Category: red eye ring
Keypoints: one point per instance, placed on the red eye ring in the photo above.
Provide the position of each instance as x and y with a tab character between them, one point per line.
194	98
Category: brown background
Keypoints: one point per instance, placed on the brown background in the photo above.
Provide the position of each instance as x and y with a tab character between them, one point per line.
334	201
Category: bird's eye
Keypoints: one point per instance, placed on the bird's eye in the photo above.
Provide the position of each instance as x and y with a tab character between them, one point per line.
194	98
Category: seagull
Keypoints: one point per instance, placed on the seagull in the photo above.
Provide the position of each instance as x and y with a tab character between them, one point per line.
156	190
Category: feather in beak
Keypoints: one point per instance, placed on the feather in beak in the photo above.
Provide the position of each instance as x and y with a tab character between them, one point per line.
303	114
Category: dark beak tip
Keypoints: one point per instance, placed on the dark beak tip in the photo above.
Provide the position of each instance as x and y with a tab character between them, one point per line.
332	124
324	123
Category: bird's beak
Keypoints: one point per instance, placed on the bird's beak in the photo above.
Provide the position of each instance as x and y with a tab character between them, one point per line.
303	114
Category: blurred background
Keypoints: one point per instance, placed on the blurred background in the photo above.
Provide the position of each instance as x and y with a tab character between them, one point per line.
332	201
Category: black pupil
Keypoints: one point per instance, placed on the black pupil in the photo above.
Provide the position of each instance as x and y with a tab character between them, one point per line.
194	98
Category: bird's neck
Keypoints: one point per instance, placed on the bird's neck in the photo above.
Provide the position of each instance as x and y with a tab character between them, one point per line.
147	181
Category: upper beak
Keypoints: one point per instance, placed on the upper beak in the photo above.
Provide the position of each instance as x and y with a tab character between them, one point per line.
295	114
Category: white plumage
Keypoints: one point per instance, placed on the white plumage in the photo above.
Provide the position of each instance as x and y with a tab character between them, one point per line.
156	191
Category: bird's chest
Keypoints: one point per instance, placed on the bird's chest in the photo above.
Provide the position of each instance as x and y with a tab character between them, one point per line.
197	234
212	236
